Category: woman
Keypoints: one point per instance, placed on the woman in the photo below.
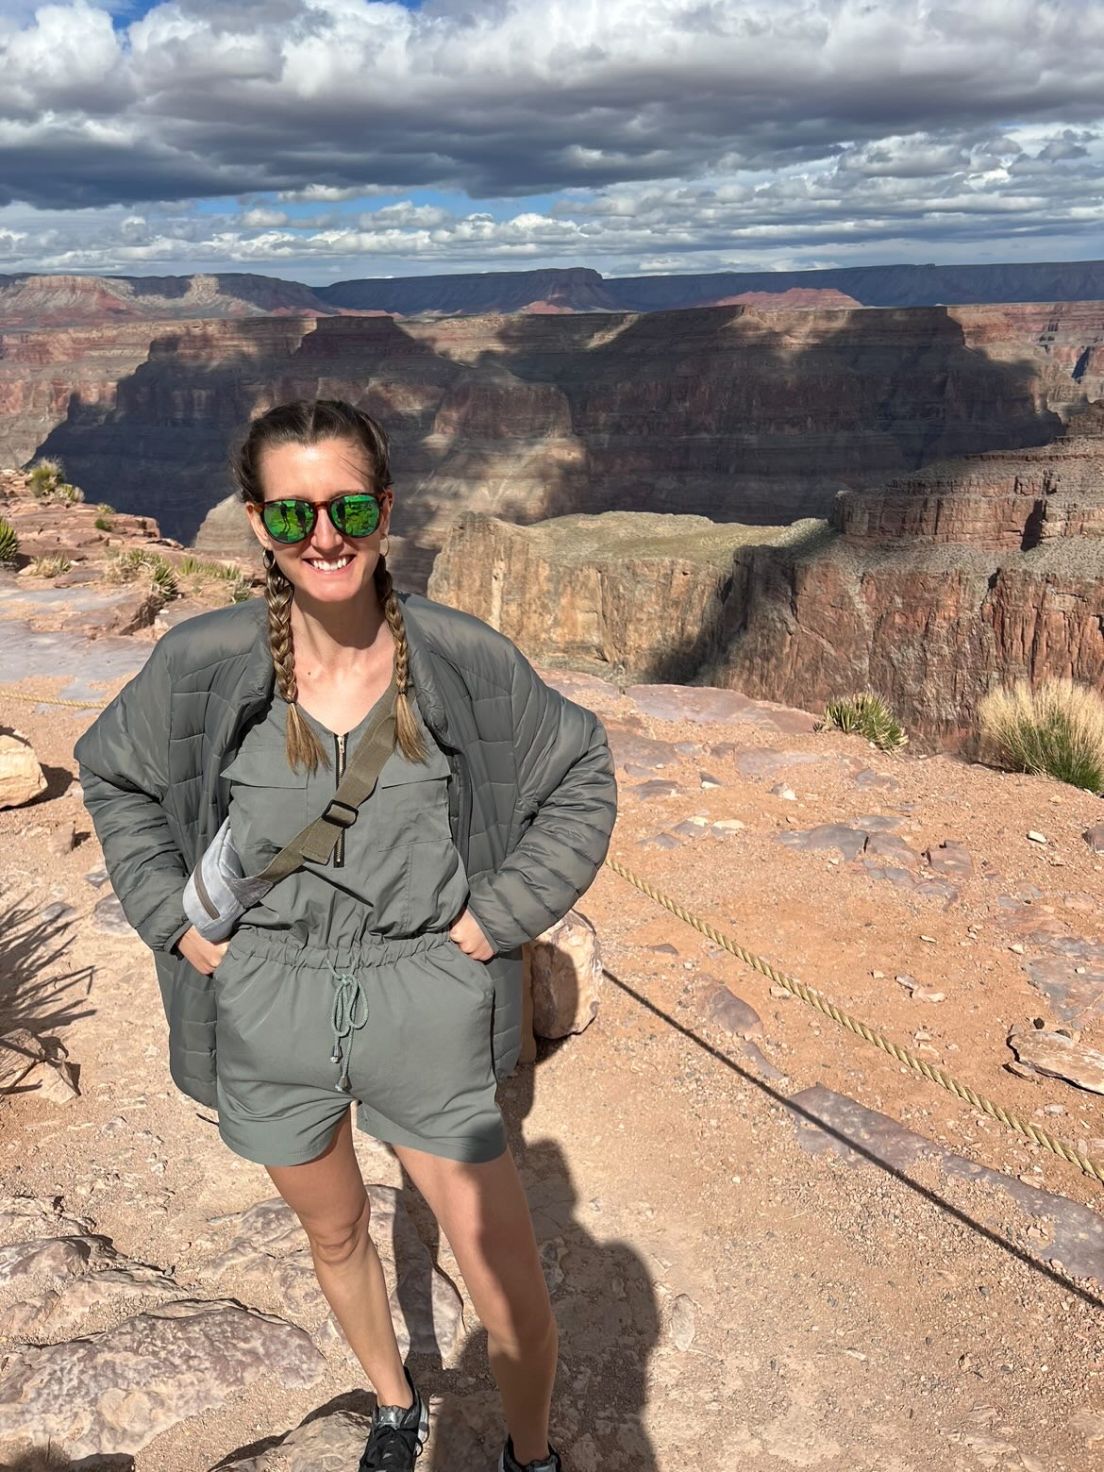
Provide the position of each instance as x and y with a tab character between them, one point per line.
390	975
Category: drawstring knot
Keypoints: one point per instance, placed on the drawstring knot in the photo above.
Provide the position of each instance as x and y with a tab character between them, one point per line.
350	1012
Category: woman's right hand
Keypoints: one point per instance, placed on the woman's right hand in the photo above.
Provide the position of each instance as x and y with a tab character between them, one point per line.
204	955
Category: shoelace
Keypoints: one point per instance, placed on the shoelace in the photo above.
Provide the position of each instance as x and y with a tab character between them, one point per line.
350	1011
392	1449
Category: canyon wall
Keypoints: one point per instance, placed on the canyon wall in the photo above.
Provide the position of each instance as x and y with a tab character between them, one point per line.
931	592
748	413
43	299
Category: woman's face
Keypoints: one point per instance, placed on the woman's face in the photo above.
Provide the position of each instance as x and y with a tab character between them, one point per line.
327	565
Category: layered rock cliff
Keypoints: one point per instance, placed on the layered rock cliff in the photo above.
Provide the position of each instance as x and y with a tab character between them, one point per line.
949	582
744	413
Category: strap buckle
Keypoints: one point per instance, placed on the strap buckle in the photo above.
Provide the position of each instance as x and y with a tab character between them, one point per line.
341	813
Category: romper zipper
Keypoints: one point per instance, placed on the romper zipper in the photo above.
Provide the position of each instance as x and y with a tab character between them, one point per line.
339	849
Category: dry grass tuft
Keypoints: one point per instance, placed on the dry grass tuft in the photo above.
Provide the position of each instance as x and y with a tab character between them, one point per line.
1056	729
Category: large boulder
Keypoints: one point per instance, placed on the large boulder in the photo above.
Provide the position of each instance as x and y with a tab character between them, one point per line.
21	776
566	969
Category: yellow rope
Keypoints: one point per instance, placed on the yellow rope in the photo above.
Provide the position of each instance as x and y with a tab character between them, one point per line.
829	1009
52	700
808	995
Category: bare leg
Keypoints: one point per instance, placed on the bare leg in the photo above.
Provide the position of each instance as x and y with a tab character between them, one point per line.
483	1212
328	1196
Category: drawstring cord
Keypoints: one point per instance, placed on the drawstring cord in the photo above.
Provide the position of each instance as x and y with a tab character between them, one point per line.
350	1012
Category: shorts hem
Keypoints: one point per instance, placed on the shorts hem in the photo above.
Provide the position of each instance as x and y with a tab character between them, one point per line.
470	1152
254	1152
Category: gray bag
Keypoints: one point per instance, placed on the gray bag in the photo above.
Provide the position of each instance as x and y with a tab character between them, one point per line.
219	892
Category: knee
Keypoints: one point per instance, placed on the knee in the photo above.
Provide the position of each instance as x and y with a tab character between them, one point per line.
524	1328
335	1241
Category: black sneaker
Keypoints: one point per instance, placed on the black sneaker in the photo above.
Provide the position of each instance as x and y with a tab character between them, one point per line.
397	1436
509	1463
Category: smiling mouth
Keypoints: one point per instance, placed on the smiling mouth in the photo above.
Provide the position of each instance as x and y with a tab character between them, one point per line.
328	566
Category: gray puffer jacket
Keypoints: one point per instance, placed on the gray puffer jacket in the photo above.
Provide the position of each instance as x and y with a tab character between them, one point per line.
532	796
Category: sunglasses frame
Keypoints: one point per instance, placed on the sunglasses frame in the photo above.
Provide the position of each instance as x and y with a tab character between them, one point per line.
315	507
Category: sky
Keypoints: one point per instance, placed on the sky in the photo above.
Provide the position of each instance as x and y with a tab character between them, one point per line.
323	140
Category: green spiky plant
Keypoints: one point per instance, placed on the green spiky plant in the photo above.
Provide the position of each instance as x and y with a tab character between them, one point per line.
1056	729
865	714
9	544
67	493
103	523
136	562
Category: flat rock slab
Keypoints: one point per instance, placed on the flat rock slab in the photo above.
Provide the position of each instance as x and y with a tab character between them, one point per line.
658	787
709	705
115	1391
330	1442
1094	837
580	687
108	916
733	1013
951	859
830	1123
639	755
868	777
268	1250
86	665
773	764
1075	992
890	847
1053	1055
849	841
900	878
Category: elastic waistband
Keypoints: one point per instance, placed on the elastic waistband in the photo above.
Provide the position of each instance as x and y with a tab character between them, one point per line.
369	950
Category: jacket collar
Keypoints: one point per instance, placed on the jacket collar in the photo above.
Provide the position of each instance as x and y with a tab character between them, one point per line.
260	677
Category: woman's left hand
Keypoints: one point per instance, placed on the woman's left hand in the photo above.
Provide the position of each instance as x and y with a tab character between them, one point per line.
465	931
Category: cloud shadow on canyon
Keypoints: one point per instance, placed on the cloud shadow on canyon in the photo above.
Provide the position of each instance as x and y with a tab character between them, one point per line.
737	414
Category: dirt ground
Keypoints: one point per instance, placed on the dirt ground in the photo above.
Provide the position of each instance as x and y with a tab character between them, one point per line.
736	1287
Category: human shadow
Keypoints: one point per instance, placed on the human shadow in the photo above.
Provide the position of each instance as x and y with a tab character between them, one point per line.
606	1308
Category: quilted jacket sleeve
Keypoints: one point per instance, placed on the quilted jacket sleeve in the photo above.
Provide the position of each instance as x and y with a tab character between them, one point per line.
566	784
123	765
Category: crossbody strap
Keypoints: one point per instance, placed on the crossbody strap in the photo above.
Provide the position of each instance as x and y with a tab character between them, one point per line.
319	839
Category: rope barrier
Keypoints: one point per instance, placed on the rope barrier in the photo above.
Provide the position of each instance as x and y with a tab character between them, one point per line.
53	700
816	999
812	998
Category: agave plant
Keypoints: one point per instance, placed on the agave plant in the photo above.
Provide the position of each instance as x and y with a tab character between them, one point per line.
43	476
9	544
865	714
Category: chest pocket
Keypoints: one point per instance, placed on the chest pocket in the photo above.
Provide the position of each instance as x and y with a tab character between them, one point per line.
268	804
410	801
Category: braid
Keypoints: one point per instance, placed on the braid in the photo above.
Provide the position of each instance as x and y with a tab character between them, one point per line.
303	748
406	726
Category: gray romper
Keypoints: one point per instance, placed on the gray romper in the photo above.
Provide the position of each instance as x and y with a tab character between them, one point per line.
343	983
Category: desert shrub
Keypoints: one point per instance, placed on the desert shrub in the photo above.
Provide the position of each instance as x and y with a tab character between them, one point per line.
865	714
9	544
200	573
70	494
44	476
48	567
103	523
1057	729
135	563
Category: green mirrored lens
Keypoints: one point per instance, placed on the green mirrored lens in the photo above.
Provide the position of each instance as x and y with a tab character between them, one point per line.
288	521
355	516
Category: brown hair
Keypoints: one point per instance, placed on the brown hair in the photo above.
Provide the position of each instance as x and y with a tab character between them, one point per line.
306	422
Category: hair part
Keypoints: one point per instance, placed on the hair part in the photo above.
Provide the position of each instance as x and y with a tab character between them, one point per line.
307	422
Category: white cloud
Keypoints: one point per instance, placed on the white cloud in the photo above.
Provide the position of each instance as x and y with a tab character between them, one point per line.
771	128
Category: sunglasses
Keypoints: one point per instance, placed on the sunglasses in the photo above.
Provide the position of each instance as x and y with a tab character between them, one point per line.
293	519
